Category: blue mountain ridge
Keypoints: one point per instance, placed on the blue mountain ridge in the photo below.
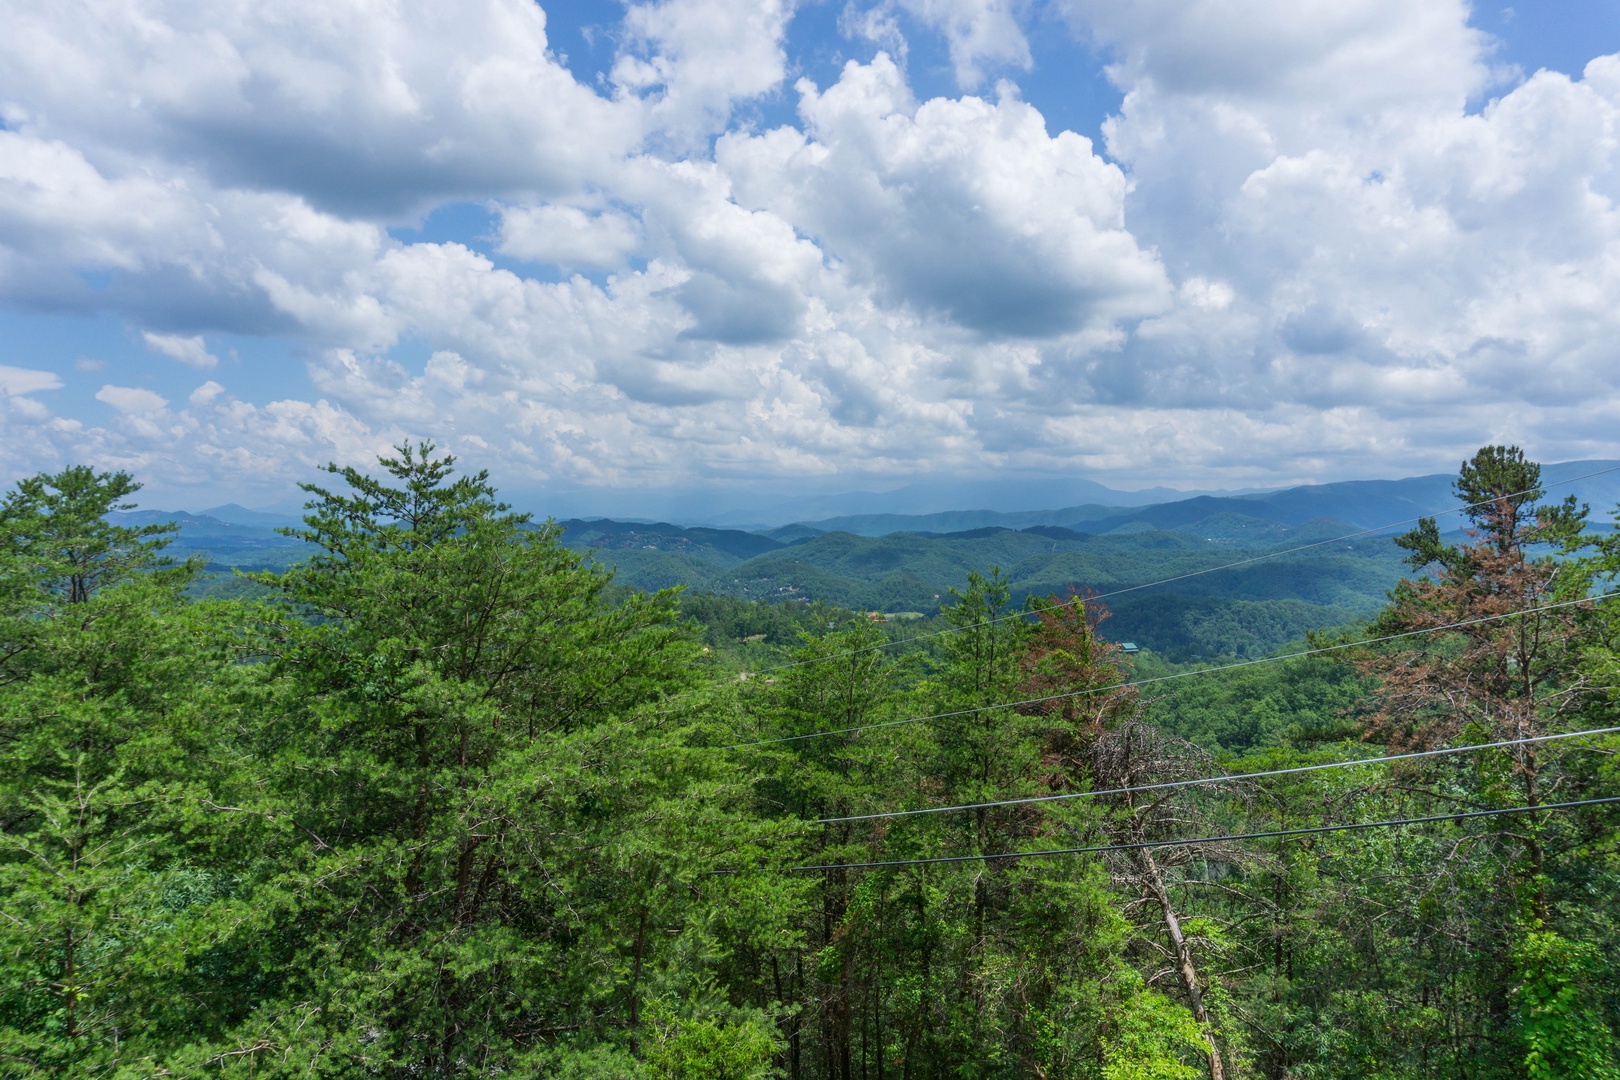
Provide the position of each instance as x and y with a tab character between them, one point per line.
1367	504
232	534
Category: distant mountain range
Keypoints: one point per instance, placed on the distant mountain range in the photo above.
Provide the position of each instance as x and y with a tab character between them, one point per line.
1366	504
898	562
936	497
1243	610
233	514
740	507
941	506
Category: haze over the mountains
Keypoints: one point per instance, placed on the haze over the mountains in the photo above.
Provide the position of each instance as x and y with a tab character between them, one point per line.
1315	570
947	507
769	508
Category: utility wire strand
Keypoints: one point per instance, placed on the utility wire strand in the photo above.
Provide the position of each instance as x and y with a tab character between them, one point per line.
1179	577
1177	675
1206	780
1228	838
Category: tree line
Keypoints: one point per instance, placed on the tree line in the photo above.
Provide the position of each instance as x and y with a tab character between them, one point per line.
446	802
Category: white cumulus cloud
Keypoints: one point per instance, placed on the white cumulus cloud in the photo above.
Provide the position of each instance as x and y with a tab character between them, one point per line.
357	105
132	399
1319	239
979	34
191	351
964	207
16	381
569	236
696	59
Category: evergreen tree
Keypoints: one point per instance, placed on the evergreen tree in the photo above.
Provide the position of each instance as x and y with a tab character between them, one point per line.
1499	659
485	859
110	878
453	803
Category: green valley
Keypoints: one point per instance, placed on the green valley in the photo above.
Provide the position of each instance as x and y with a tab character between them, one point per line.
428	791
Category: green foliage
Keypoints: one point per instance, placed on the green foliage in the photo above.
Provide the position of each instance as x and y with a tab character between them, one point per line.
1302	701
1152	1038
1246	611
105	746
442	799
1566	1036
455	735
706	1048
1426	547
1499	488
1184	629
55	532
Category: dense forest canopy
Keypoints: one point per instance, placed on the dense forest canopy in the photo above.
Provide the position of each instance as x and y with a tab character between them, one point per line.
442	799
1241	585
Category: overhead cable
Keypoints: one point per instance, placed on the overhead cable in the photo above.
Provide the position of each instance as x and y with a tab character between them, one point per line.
1207	780
1179	577
1176	675
1228	838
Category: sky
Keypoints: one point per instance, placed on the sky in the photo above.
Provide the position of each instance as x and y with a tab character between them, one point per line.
694	246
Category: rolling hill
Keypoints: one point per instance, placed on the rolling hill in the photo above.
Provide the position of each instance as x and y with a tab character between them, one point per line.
890	562
1242	611
1363	503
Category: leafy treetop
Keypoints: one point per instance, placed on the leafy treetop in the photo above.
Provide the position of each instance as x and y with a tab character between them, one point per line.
56	525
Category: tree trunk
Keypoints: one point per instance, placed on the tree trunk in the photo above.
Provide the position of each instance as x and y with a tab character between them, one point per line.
635	973
1537	856
1184	960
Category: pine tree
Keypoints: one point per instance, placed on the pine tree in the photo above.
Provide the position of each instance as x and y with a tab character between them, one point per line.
108	879
487	856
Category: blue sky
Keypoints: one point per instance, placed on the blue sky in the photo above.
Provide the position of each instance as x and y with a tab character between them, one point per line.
714	246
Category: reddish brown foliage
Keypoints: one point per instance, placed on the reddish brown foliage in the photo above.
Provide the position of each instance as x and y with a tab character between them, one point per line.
1080	676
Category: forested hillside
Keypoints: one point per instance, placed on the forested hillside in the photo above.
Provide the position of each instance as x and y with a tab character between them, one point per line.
1277	595
437	797
1307	558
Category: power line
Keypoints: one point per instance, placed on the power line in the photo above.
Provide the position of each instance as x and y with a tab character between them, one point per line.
1149	844
1167	678
1181	577
1205	780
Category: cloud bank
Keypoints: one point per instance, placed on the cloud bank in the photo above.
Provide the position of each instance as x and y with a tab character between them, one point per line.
1317	240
